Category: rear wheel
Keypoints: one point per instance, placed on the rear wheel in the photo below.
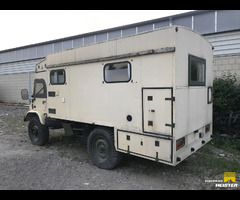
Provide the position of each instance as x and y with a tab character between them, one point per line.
101	148
38	133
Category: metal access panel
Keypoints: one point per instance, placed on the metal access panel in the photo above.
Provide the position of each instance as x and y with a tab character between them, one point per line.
157	107
146	146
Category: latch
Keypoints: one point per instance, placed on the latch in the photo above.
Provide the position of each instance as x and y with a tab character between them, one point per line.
151	111
171	125
170	99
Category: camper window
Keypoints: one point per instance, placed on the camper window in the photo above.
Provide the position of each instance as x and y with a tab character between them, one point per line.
196	70
117	72
57	77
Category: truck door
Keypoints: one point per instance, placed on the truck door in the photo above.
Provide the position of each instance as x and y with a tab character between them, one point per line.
39	98
158	110
58	94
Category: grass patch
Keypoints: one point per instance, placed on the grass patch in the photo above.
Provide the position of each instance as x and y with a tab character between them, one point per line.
230	143
217	161
210	162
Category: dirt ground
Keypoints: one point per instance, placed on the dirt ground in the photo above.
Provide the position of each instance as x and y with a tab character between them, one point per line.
63	164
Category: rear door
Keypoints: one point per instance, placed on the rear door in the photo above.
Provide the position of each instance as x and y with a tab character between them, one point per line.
157	110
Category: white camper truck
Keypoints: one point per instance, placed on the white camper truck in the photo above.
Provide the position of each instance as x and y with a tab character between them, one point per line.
148	95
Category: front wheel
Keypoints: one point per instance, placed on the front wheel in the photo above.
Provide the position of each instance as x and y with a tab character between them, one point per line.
101	148
38	133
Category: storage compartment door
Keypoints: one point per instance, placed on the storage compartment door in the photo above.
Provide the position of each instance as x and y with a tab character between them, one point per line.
150	147
157	110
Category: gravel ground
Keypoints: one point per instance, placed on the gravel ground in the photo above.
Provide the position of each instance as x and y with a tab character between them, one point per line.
63	164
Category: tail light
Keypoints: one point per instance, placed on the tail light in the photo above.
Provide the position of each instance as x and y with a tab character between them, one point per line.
207	128
180	143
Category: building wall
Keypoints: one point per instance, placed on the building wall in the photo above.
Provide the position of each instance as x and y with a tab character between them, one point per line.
14	76
225	64
11	85
225	43
18	67
226	52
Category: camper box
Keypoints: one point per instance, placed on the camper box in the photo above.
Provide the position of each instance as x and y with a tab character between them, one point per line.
148	95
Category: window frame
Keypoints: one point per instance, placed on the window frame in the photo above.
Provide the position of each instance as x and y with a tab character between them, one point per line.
44	95
130	77
57	70
199	60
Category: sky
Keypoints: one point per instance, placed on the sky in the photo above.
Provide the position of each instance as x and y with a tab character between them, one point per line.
25	27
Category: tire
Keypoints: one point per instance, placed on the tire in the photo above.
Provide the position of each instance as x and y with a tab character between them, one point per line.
101	149
38	133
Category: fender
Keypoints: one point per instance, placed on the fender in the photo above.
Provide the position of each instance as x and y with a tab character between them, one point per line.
32	113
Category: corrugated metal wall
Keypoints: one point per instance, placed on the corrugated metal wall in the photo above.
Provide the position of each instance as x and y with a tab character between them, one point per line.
14	77
18	67
11	85
225	43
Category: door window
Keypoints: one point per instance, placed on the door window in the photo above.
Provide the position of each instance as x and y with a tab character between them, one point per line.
40	90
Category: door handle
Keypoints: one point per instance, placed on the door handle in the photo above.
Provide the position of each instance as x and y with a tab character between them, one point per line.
151	110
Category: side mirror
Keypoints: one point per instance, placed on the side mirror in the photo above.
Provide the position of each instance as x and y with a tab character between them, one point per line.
24	94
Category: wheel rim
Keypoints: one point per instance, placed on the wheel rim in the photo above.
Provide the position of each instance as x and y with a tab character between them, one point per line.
34	133
101	149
